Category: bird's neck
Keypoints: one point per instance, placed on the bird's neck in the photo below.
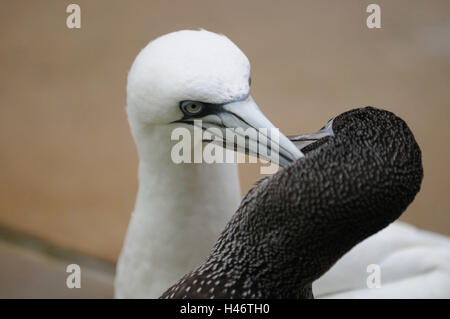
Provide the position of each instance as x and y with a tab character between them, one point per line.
180	210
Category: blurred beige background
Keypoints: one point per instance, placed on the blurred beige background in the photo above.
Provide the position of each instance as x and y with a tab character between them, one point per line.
68	162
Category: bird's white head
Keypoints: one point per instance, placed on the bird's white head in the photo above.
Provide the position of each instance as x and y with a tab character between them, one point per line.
185	65
196	75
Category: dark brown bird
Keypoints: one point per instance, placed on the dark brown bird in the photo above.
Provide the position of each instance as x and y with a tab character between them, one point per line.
360	173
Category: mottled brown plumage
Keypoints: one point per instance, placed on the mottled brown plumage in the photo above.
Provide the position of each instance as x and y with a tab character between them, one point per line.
293	226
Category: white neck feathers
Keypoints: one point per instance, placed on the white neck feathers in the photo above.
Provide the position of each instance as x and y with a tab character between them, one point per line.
180	210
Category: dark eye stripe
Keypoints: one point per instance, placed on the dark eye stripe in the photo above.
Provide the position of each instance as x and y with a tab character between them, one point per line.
207	108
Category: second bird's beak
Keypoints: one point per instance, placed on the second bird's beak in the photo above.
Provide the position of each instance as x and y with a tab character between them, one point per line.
253	134
302	141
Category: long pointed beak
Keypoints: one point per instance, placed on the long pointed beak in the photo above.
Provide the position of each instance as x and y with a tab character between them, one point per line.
254	133
301	141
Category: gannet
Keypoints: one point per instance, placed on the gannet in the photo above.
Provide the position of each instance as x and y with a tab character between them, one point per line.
293	226
162	243
176	80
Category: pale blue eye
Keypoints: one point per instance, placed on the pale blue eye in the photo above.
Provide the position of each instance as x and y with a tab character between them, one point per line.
191	107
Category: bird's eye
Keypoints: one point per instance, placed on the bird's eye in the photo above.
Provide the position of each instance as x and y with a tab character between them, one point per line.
191	107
